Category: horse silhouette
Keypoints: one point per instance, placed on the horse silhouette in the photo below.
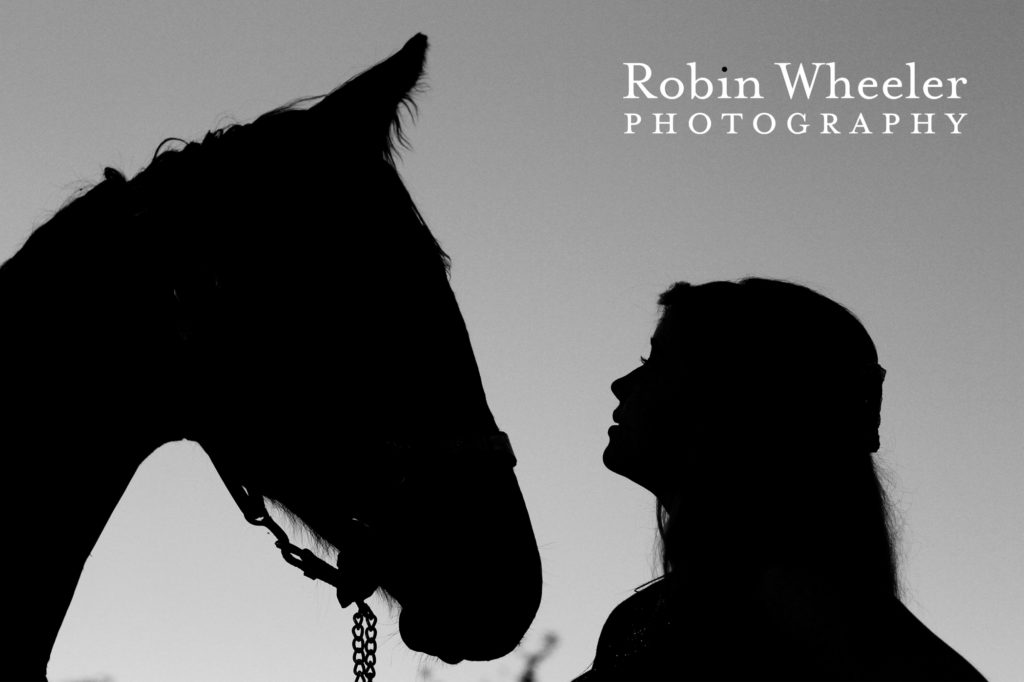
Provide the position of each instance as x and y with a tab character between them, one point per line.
273	294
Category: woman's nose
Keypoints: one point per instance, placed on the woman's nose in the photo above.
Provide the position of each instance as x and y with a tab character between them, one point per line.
622	386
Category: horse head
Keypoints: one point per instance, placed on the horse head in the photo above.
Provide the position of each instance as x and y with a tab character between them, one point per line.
321	354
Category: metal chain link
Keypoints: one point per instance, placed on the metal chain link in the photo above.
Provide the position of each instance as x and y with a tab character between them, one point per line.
364	643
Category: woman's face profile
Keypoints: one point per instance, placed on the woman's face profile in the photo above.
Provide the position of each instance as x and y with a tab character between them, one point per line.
650	422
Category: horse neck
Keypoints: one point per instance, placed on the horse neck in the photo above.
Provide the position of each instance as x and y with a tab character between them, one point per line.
82	408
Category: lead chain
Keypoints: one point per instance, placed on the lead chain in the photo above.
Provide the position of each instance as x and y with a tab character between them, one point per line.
364	643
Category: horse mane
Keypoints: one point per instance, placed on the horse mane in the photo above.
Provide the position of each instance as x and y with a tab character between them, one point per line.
102	203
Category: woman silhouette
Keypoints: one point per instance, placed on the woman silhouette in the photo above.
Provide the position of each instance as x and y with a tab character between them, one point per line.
753	422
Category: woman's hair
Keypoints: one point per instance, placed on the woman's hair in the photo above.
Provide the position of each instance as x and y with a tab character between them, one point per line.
777	426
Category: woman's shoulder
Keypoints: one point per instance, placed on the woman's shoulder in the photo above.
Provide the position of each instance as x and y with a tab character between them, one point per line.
646	601
802	630
911	651
632	635
670	630
853	634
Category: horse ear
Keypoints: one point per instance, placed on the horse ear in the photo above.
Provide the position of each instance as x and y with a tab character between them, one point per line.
372	101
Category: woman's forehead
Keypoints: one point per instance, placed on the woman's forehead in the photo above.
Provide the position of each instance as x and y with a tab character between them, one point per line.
682	336
669	331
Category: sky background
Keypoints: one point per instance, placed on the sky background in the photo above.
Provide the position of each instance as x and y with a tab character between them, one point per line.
562	232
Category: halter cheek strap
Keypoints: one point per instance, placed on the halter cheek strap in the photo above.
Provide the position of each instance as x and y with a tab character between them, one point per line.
497	450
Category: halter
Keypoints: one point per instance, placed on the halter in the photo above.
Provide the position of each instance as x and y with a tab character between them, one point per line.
364	630
496	448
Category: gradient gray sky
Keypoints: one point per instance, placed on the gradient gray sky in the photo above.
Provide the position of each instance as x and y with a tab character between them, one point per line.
563	231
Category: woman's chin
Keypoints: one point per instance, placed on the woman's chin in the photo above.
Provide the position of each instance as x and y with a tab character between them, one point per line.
615	458
611	462
619	462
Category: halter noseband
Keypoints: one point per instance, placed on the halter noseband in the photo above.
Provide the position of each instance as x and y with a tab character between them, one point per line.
255	511
498	450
